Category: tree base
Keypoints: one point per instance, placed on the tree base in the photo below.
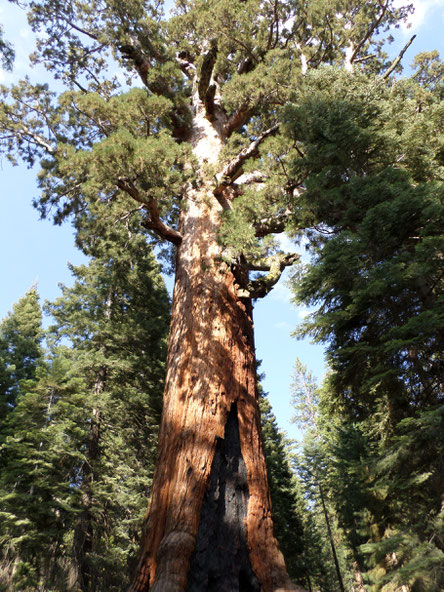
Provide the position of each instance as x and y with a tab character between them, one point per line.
220	562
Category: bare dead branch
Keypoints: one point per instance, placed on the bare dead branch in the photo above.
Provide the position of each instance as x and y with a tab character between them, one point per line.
398	59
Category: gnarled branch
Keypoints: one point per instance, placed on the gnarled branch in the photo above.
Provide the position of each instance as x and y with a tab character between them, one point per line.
186	64
206	90
238	119
250	178
153	220
273	224
140	60
234	168
275	265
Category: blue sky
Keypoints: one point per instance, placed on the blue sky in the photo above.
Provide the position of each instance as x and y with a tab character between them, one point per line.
33	250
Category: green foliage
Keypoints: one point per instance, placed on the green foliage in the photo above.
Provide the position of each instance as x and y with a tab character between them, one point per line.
78	449
371	156
7	53
20	348
353	162
39	456
376	272
285	494
323	536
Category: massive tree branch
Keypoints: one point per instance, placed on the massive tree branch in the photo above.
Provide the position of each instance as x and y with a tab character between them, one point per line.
273	224
250	178
142	63
354	50
275	266
186	64
153	221
398	59
206	90
234	168
140	60
238	119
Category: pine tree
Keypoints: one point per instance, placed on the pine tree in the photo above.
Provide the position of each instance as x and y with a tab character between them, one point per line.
79	448
20	348
313	465
116	318
34	463
286	497
374	203
200	150
377	270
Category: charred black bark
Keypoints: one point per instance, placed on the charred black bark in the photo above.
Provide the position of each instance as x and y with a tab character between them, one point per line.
220	562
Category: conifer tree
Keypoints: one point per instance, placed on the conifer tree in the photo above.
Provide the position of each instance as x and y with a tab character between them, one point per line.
79	448
375	209
200	150
20	348
116	318
314	466
286	497
40	451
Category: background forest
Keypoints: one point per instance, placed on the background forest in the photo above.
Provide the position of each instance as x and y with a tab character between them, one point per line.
358	501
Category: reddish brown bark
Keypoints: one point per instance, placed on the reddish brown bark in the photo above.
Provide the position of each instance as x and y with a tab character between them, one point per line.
211	368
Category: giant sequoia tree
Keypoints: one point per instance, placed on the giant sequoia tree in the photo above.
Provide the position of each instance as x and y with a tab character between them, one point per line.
197	147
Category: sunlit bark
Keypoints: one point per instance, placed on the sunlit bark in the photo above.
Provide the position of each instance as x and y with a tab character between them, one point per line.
211	371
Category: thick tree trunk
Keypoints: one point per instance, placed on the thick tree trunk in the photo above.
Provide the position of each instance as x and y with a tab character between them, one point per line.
211	475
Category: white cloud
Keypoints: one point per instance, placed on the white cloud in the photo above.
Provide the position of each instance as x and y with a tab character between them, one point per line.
283	325
422	10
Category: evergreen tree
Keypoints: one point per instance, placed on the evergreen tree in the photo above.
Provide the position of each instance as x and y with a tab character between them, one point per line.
374	202
20	348
116	318
377	269
40	453
286	497
201	151
80	448
313	469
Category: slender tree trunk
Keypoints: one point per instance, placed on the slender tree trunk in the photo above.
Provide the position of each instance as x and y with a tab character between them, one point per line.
330	537
209	526
84	531
83	543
